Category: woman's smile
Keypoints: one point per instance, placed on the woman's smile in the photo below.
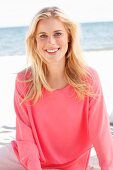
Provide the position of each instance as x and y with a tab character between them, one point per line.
53	51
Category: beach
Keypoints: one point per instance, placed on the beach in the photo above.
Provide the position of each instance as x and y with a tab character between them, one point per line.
10	65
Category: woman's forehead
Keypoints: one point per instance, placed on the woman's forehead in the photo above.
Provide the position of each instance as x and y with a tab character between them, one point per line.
49	24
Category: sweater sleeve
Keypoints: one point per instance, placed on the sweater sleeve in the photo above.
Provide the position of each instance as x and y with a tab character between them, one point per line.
27	150
99	128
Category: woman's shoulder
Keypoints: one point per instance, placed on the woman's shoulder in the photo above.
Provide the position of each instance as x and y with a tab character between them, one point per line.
93	73
24	75
94	79
23	81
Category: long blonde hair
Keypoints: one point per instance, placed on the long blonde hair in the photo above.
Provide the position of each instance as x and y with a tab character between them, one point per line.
75	69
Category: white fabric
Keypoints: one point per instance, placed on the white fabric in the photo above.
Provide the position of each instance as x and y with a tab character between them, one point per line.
8	159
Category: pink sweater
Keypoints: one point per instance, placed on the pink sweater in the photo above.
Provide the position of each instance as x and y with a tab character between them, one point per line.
60	130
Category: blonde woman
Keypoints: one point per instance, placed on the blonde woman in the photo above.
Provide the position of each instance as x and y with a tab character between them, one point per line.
59	104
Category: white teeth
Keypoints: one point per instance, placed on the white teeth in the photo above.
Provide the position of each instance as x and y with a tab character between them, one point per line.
52	51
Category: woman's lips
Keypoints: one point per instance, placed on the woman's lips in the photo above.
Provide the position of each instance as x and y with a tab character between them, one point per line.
52	51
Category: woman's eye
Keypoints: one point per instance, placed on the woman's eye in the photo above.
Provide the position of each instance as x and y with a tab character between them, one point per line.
43	36
57	34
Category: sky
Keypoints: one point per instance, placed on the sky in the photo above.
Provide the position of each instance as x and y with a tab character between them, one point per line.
21	12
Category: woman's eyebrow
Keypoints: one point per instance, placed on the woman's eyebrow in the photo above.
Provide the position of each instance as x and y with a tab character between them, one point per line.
45	32
53	31
58	30
42	33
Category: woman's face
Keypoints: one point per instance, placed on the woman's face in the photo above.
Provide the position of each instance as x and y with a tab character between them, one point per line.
52	39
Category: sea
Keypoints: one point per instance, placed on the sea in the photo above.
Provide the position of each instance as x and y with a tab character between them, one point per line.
93	36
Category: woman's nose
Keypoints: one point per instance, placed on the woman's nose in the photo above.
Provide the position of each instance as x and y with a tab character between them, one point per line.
51	40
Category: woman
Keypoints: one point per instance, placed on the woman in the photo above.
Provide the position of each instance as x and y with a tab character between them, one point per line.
59	104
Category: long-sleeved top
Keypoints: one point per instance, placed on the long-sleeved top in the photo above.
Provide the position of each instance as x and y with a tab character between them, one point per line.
60	129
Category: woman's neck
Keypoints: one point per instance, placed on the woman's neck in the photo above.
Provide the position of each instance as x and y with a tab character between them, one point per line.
57	82
56	76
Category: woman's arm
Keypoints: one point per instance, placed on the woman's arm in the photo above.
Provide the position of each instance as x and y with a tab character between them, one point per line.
27	150
99	128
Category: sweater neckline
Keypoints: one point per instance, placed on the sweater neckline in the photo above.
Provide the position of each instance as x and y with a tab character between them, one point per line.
65	88
61	89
